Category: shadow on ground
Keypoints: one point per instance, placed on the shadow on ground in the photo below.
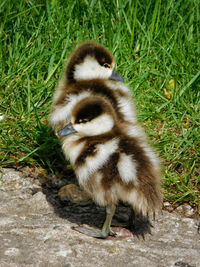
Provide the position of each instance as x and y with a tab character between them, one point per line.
80	213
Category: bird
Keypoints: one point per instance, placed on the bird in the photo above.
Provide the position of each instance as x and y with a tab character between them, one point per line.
90	70
111	165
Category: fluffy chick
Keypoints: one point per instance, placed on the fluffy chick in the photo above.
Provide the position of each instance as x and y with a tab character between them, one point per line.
90	70
110	164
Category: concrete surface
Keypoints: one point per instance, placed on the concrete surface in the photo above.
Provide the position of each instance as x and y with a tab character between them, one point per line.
35	230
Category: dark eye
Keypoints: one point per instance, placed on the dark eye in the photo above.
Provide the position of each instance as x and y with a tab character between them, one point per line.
83	120
106	65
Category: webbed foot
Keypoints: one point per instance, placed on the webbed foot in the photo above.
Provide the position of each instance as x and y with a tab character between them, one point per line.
94	232
73	193
105	231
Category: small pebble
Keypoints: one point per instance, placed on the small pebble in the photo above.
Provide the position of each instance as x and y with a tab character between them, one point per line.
185	210
166	204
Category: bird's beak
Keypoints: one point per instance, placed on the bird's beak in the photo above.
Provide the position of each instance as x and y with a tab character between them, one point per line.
67	130
115	76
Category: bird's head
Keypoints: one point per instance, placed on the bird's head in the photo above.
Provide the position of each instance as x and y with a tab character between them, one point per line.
91	117
91	61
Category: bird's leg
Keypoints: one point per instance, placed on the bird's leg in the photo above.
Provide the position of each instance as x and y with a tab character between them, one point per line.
105	231
73	193
110	211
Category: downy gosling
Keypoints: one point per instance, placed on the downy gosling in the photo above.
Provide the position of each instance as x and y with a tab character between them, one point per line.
90	70
110	164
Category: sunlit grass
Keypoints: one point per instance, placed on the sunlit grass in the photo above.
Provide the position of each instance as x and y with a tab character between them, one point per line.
156	46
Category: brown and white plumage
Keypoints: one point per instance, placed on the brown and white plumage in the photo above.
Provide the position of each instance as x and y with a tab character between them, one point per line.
108	148
90	71
109	164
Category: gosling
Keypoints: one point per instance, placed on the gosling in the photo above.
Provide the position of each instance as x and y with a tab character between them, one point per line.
109	163
90	70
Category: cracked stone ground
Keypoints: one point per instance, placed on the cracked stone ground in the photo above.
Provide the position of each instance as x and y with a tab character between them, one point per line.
36	230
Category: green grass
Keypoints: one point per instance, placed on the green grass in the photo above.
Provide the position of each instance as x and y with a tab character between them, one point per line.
156	46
